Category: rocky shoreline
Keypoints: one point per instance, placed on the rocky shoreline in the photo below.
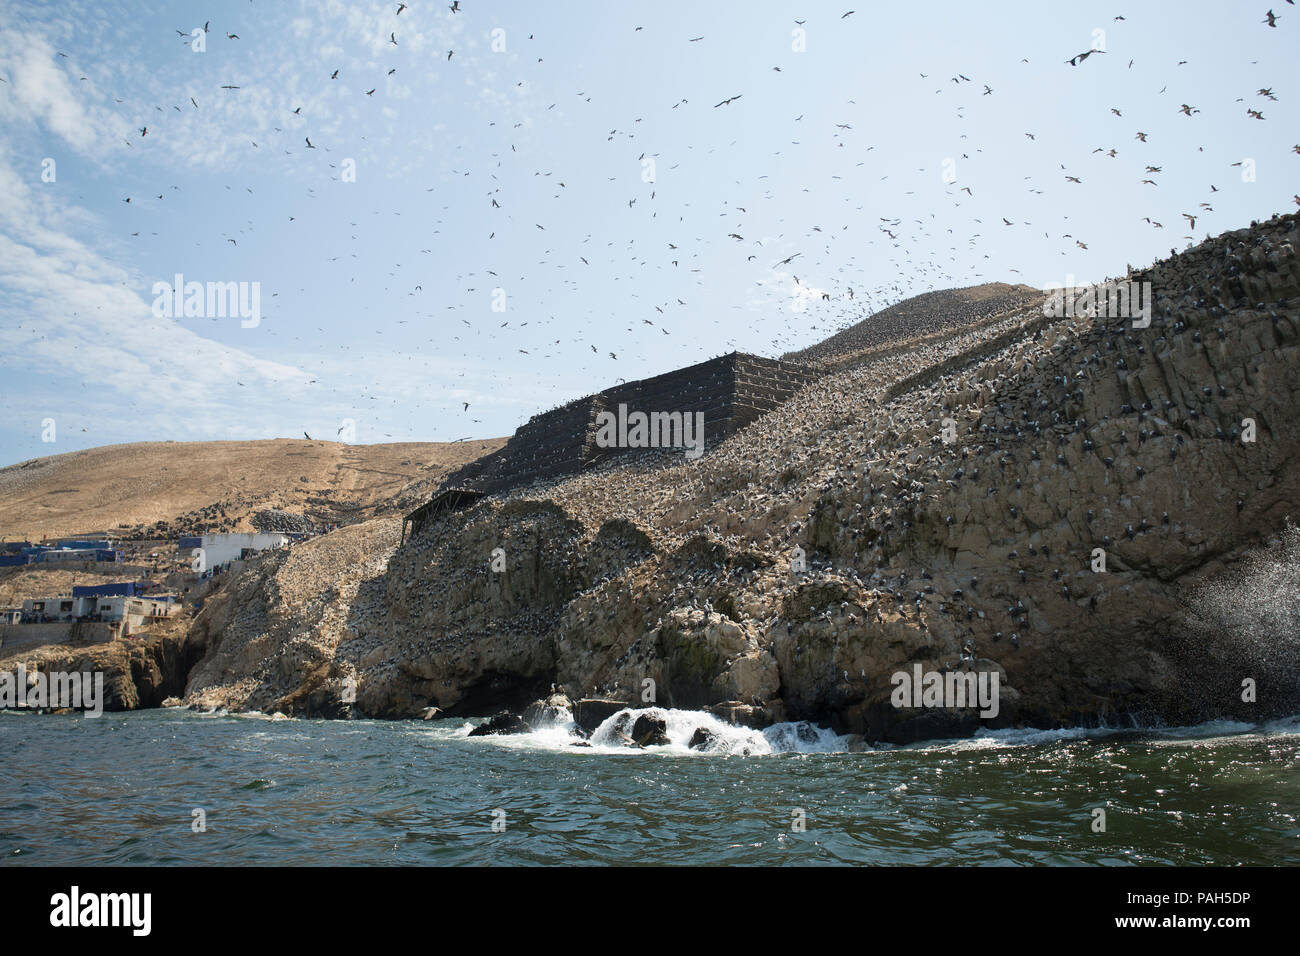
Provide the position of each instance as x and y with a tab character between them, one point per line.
139	673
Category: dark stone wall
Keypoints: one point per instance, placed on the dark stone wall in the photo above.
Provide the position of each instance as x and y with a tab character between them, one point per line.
731	390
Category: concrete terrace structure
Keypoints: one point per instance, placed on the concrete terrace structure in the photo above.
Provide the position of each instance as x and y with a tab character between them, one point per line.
729	391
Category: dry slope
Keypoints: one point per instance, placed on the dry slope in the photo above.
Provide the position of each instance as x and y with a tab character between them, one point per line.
160	489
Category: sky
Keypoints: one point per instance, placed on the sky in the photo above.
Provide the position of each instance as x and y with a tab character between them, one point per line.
456	219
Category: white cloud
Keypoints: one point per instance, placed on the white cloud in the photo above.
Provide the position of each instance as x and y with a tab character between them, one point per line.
39	91
73	314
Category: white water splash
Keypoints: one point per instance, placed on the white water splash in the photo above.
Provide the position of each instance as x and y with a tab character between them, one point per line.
805	737
722	739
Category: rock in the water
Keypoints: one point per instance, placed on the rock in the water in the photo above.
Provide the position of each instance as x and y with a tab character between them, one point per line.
622	724
505	723
548	711
702	739
742	715
650	730
590	712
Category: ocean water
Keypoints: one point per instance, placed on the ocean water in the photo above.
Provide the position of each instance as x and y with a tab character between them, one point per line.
124	788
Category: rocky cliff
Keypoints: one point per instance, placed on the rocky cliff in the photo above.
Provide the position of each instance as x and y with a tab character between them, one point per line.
952	503
139	673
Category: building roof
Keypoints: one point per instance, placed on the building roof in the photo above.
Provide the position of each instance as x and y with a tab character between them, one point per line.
449	499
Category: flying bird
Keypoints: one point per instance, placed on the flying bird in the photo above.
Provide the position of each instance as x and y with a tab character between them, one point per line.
1080	57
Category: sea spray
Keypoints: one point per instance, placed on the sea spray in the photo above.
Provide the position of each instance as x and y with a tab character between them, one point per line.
1240	650
719	738
680	727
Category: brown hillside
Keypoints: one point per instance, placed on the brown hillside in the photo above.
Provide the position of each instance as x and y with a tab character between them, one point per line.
200	486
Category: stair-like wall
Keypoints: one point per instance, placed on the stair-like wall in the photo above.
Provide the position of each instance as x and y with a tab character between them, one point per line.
732	391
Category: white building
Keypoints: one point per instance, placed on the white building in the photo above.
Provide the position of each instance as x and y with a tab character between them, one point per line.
38	610
115	607
218	549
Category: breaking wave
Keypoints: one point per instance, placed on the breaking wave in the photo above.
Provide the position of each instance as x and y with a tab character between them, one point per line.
681	727
715	737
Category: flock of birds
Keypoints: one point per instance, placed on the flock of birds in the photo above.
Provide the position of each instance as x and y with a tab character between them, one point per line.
921	251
